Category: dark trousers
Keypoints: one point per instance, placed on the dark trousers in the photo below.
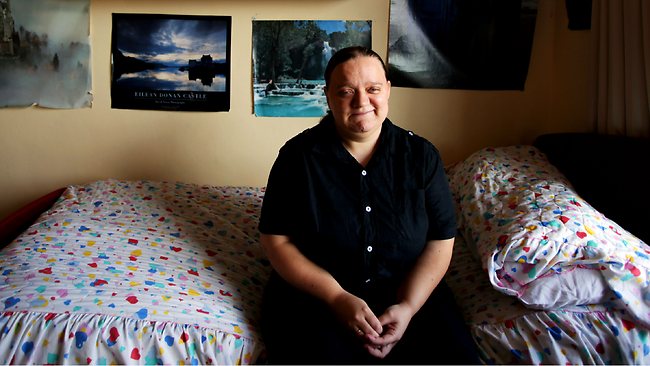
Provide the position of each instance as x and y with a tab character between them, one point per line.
299	329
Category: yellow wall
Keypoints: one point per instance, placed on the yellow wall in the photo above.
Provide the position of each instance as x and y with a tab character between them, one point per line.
41	150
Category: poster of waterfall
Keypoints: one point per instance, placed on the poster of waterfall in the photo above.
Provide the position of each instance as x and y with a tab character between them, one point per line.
171	62
471	44
45	53
289	59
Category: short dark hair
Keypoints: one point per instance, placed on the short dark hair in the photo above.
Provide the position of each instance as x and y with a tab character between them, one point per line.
348	53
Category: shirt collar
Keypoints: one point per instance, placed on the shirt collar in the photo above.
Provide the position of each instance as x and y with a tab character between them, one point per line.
329	140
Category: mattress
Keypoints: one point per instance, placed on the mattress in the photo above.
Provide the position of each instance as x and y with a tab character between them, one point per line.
136	272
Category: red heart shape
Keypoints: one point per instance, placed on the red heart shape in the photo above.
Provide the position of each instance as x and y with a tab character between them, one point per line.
628	325
135	354
114	334
185	337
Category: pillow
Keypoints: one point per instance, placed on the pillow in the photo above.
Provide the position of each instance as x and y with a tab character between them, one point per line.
557	288
576	286
537	239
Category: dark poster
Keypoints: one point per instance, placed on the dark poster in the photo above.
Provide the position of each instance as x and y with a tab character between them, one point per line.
461	44
171	62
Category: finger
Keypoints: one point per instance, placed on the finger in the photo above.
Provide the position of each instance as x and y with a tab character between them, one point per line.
364	329
372	325
379	351
388	337
386	319
375	325
374	351
380	341
370	332
385	350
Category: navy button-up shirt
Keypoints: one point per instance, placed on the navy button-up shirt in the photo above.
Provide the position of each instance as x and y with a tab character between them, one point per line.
364	225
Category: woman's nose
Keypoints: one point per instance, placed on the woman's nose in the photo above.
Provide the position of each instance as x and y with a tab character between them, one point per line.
360	99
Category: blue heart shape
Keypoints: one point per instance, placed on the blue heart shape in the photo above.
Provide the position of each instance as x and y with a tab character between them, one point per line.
11	302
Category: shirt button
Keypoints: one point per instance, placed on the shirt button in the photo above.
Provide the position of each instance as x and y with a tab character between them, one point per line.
364	173
369	248
368	209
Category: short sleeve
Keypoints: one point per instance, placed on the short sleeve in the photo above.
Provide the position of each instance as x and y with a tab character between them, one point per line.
279	207
439	201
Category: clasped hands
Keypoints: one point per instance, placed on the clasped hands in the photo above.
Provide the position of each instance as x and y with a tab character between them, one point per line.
379	334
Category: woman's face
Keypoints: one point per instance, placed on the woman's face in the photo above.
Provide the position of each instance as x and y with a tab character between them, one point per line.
358	95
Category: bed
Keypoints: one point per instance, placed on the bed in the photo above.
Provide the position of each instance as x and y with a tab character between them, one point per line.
146	272
133	272
541	275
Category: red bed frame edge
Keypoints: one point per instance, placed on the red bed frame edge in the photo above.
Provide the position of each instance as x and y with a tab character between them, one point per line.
19	220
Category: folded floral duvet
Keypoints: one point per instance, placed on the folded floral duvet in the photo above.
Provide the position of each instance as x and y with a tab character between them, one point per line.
538	240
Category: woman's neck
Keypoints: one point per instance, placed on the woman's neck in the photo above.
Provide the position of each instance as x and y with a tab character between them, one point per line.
361	150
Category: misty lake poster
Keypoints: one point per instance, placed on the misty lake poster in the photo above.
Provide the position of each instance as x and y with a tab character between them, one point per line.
171	62
289	59
45	53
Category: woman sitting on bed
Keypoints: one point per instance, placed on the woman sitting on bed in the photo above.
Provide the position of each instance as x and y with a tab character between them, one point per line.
359	225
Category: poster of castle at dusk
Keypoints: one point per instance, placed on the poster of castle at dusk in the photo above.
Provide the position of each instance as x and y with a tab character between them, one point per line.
170	62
